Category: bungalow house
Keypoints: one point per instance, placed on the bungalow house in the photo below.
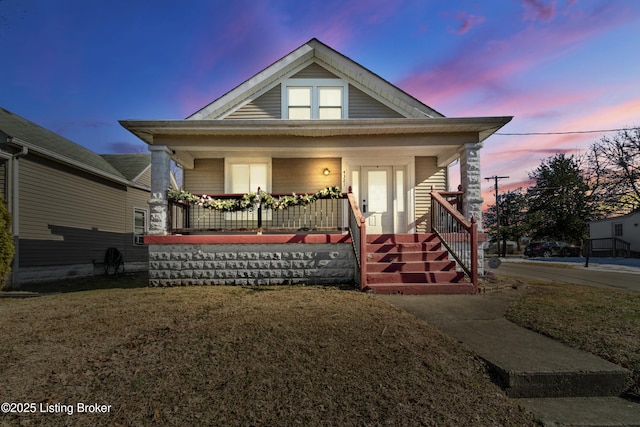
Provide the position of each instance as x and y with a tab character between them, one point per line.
69	204
616	236
370	159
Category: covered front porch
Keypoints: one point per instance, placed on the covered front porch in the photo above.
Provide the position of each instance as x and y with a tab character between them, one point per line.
310	183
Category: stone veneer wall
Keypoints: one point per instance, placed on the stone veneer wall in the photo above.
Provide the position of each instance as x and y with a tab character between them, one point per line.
251	264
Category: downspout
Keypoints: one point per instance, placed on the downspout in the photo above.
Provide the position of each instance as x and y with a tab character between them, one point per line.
15	211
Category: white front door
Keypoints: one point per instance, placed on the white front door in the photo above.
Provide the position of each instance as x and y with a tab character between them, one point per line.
377	198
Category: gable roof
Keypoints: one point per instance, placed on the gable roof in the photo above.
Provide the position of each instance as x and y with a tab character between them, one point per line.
316	52
129	165
39	140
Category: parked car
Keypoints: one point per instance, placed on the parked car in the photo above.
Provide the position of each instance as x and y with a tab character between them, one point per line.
552	248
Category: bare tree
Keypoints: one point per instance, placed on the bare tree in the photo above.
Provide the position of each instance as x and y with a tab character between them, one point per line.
614	173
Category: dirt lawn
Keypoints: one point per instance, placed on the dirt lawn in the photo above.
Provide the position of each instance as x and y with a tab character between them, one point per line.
237	356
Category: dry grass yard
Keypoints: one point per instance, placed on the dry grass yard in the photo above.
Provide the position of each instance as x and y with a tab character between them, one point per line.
225	356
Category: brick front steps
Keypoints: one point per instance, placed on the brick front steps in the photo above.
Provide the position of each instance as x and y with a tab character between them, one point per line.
412	264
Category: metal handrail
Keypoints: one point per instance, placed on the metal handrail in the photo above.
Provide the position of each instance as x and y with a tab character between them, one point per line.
459	235
358	232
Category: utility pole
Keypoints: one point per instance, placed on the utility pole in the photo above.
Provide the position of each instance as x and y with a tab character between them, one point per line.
495	178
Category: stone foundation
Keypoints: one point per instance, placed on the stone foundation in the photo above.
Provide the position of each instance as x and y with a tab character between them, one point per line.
251	264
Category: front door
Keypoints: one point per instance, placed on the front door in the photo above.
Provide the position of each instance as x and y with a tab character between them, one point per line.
377	198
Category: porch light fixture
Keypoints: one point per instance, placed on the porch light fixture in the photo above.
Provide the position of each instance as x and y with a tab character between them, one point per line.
326	171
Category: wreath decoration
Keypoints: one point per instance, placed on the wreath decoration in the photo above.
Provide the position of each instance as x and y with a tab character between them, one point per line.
249	201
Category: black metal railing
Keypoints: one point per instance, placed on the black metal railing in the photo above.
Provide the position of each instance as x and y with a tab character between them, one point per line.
459	235
322	215
358	232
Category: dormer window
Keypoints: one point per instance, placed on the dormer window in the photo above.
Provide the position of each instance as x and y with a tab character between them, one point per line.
308	99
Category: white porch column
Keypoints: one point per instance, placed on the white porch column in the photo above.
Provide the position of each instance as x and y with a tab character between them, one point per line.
160	181
471	183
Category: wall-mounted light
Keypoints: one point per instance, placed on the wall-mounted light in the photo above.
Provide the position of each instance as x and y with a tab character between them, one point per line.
326	171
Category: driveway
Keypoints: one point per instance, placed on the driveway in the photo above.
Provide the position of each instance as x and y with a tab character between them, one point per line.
599	275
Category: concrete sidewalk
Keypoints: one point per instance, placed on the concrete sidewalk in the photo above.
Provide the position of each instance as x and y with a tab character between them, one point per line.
559	384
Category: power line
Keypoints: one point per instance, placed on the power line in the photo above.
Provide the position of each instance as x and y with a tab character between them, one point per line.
565	133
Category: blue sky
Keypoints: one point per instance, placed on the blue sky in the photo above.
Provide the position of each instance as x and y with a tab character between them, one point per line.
76	67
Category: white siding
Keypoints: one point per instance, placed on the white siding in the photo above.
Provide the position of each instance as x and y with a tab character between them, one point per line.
428	174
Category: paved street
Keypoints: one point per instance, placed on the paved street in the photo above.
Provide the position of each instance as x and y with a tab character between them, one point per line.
615	277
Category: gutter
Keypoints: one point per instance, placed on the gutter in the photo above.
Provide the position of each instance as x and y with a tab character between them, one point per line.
15	211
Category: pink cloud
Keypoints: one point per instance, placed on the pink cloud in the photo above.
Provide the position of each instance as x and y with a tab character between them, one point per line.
490	72
467	22
538	10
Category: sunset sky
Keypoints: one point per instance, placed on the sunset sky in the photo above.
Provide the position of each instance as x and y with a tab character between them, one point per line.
76	67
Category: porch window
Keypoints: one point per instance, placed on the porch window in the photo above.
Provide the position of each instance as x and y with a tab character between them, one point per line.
307	99
139	226
246	175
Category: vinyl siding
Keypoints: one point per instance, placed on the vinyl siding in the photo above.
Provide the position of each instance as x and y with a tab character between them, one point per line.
145	178
207	177
73	218
304	175
362	106
314	71
428	174
3	178
267	106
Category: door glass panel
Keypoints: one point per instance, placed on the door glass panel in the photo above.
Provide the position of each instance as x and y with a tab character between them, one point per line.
377	191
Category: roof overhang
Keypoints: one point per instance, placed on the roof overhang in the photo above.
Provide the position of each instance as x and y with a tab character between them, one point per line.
441	137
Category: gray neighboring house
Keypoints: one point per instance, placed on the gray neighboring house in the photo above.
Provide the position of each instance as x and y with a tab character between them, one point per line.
69	204
624	227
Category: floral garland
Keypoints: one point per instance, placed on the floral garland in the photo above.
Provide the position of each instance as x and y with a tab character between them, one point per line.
251	200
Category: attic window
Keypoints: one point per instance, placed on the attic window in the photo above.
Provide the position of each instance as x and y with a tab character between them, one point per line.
307	99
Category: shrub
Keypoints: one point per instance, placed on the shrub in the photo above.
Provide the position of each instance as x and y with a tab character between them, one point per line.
7	249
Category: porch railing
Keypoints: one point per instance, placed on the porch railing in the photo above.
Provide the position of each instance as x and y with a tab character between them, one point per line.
320	215
459	235
358	232
606	247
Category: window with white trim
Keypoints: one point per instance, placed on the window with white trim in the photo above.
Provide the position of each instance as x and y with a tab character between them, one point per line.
247	177
139	225
307	99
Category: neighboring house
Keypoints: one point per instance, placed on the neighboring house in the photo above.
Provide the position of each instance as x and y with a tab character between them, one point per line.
69	204
616	236
313	119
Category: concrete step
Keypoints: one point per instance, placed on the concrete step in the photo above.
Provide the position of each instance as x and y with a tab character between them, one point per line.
528	364
420	288
414	266
562	386
584	411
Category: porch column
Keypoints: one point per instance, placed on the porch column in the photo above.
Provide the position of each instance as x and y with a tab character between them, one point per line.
471	182
472	198
160	181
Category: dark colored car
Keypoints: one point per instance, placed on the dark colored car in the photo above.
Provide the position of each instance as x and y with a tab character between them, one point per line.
552	248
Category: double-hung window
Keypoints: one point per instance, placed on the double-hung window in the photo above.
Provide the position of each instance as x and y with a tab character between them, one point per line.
306	99
139	225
